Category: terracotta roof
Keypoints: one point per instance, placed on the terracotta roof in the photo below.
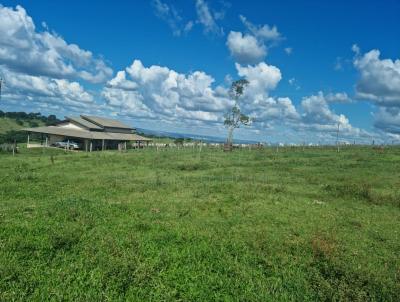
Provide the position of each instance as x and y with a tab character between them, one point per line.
105	122
87	134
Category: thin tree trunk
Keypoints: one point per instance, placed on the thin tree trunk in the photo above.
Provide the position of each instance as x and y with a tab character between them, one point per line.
230	135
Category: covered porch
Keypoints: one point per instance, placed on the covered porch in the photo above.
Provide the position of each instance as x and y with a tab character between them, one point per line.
87	141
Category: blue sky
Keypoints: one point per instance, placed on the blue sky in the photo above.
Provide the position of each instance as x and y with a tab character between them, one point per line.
311	64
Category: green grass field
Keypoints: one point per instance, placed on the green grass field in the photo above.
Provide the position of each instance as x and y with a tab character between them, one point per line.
251	225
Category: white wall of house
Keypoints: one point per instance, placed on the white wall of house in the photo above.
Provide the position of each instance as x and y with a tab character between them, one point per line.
70	125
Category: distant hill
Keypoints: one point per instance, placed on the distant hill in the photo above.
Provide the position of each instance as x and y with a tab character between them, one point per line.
18	120
12	122
187	136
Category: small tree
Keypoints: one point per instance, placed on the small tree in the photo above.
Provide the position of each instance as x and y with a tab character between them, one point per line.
234	118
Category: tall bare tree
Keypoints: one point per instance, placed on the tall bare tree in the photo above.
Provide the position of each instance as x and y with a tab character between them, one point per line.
235	118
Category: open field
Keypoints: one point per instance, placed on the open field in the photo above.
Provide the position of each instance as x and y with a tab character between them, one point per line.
251	225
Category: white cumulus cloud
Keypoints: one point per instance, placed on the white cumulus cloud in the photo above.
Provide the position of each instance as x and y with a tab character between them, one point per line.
387	119
379	79
257	102
26	90
160	92
262	78
245	49
251	47
26	50
317	116
379	83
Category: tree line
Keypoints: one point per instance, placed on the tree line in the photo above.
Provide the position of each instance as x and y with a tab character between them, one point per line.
32	119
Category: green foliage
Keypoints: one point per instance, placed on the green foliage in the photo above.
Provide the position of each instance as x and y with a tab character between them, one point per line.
237	88
13	136
180	225
12	122
16	120
17	136
235	118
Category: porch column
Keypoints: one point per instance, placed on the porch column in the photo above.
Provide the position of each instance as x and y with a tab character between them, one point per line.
27	144
91	146
102	145
125	146
47	141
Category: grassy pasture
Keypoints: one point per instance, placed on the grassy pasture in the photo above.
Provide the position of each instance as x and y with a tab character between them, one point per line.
9	124
180	225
